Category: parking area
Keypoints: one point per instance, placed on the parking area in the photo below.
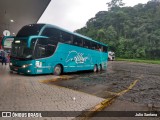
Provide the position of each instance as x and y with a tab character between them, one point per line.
83	90
117	78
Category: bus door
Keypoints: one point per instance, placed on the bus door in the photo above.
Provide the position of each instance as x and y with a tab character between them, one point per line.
40	57
50	59
44	51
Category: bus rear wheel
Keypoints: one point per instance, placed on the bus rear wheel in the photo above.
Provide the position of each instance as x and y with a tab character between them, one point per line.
57	70
95	69
100	68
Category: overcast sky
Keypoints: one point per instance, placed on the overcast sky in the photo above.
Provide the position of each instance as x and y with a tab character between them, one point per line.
73	14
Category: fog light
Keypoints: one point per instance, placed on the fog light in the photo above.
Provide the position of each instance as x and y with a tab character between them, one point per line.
28	71
10	64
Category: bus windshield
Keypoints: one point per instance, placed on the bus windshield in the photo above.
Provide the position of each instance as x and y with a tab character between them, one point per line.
20	49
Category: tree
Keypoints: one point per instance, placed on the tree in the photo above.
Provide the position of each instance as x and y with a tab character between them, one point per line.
131	32
101	35
114	4
111	38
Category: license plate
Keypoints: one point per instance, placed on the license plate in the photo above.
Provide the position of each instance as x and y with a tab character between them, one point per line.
16	69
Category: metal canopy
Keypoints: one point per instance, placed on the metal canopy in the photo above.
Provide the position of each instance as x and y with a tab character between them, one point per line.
16	13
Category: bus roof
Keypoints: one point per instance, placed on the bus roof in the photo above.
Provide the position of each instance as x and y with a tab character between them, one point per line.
73	33
77	34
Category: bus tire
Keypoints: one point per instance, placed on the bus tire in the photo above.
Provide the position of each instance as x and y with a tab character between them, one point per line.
95	69
57	70
100	67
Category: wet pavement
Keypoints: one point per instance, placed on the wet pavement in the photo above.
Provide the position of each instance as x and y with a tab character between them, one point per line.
119	75
87	87
19	92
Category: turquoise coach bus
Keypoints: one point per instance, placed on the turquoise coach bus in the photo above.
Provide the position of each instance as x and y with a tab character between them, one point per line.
44	48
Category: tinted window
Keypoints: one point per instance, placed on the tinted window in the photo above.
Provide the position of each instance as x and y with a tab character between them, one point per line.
20	49
93	46
86	44
52	33
66	37
77	41
51	46
29	30
44	48
105	49
40	48
99	47
102	48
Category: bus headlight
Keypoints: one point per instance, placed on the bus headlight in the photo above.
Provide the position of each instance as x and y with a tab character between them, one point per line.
10	64
24	66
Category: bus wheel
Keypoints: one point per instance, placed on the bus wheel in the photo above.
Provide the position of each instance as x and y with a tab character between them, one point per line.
95	69
100	67
57	70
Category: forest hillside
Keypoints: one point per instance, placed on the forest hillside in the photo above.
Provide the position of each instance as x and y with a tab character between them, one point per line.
131	32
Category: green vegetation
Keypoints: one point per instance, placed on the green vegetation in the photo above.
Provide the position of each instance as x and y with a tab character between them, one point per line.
139	60
131	32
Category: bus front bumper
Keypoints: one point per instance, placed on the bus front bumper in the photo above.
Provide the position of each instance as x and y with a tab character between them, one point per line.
26	70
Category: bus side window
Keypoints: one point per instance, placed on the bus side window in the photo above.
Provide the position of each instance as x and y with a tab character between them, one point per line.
65	37
102	48
93	46
105	49
77	41
99	47
86	44
52	33
40	50
50	48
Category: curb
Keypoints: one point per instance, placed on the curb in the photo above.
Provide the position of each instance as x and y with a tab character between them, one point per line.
99	107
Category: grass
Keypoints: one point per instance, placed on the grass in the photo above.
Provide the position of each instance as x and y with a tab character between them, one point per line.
139	60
